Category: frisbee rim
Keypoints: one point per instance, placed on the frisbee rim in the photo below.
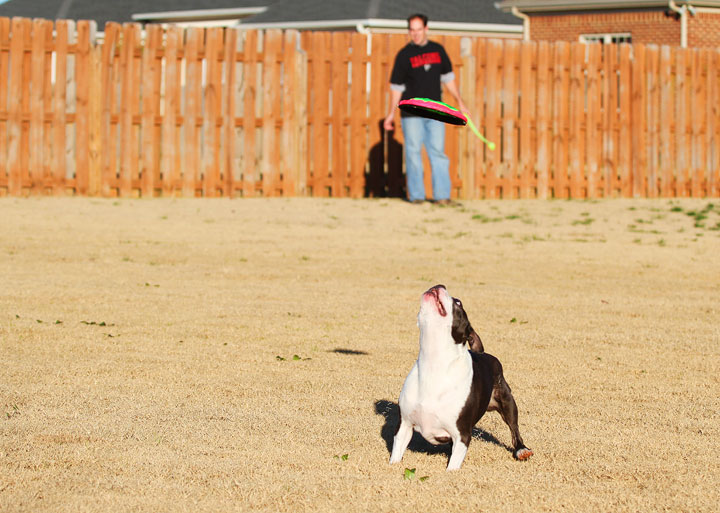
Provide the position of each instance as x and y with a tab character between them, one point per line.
433	109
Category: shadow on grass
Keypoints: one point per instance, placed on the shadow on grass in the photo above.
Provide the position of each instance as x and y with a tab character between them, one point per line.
391	412
351	352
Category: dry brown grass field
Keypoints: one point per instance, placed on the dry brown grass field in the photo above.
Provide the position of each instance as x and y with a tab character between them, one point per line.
217	355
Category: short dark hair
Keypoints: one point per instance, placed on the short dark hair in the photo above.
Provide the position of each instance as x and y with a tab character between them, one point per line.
419	16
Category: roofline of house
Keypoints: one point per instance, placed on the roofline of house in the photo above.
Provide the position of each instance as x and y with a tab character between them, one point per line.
374	23
570	5
195	14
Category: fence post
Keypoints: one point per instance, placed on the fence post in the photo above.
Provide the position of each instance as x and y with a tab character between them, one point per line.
543	126
469	96
96	119
85	36
17	50
227	163
301	119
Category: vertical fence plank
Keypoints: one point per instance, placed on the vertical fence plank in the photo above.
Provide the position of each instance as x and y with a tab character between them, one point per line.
320	115
528	53
452	133
625	153
107	142
493	84
4	73
85	35
290	158
681	143
561	92
509	119
467	92
479	184
358	114
593	139
210	97
147	120
227	164
249	95
169	163
37	180
713	135
639	123
379	139
543	103
193	84
126	112
17	49
652	109
610	104
665	119
339	81
698	123
576	140
269	165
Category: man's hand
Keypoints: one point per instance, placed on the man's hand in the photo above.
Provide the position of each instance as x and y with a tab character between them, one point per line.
389	123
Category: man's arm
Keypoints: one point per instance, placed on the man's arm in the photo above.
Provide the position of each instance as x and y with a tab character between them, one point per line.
395	95
451	86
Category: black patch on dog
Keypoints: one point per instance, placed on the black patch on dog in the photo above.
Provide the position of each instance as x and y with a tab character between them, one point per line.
489	383
462	331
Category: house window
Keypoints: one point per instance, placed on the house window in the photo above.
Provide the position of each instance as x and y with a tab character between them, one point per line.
621	37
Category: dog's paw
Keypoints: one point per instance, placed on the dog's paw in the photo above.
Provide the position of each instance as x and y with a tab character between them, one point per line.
523	454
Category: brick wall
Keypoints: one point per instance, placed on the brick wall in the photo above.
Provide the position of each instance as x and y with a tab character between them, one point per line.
704	30
644	26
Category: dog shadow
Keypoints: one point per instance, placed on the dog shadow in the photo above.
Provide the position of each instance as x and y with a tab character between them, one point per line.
391	412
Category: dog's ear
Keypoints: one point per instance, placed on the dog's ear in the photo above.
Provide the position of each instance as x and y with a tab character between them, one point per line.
475	343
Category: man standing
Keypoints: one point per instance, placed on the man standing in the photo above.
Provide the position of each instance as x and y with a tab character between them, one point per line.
420	69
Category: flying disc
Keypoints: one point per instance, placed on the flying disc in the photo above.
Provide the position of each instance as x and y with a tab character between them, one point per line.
432	109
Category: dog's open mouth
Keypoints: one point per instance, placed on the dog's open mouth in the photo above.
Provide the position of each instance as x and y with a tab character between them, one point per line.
435	293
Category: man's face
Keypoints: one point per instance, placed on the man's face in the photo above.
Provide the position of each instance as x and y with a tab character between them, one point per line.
418	32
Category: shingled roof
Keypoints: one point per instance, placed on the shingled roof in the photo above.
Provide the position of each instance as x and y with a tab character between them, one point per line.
117	10
278	12
457	11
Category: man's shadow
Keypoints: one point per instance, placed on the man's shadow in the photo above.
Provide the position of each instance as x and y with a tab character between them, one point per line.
385	178
391	412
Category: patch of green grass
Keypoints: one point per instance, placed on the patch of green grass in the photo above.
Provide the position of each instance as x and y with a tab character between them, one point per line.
485	219
14	412
586	221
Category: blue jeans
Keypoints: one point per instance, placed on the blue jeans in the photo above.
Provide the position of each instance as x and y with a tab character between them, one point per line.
418	131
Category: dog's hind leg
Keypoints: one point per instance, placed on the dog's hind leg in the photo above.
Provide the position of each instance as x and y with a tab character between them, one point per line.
502	400
403	435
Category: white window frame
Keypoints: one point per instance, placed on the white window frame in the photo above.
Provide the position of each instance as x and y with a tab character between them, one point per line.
607	38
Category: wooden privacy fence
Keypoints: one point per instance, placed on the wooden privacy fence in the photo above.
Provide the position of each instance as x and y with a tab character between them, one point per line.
225	112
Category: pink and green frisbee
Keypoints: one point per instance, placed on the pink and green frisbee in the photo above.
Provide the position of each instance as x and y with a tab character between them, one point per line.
427	108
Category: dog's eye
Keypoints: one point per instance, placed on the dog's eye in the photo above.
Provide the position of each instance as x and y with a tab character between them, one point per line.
457	301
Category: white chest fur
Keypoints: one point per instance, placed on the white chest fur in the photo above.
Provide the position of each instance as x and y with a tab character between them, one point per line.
436	391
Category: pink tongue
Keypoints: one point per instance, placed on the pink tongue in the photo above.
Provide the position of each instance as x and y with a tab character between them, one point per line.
440	306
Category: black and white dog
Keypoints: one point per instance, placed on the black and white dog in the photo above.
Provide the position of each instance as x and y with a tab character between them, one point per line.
449	388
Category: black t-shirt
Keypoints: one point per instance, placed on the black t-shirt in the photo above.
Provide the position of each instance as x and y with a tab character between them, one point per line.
419	69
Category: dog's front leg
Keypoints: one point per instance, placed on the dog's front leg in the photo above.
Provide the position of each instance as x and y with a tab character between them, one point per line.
459	450
401	440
